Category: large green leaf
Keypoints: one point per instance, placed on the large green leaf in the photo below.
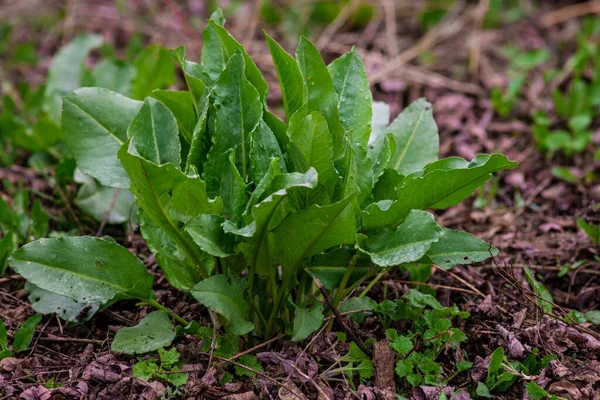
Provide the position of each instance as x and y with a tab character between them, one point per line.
263	148
311	146
153	332
238	111
321	93
66	72
226	299
86	269
306	321
169	197
181	104
155	133
154	70
95	125
293	89
232	46
416	137
310	231
457	247
440	185
408	243
354	93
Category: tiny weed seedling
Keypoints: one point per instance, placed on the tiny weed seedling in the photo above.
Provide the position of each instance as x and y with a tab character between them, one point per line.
166	368
243	210
502	374
430	332
22	339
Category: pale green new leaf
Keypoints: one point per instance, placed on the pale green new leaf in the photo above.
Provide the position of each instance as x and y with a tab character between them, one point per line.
96	201
86	269
152	333
408	243
306	321
95	125
321	93
416	137
456	247
354	92
440	185
155	133
226	299
293	89
379	147
66	72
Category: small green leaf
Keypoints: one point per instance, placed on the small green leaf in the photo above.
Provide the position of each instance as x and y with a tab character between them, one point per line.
3	335
153	332
545	301
181	104
456	247
25	333
416	137
155	133
208	234
322	97
482	390
95	125
293	89
307	320
495	361
249	360
408	243
145	369
592	231
226	299
535	391
86	269
354	92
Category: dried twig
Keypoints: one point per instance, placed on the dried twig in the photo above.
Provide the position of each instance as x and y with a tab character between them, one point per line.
389	10
569	12
336	24
339	318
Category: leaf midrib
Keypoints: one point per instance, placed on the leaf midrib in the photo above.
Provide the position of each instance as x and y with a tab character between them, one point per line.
410	139
95	120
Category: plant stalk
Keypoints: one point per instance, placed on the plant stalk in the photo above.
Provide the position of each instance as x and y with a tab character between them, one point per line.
157	305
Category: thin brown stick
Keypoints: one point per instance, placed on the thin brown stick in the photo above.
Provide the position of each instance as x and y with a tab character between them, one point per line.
461	280
252	24
389	11
258	346
336	24
70	340
447	27
569	12
433	285
339	319
479	15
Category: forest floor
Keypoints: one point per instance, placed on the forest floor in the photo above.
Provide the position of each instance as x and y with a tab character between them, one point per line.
530	214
